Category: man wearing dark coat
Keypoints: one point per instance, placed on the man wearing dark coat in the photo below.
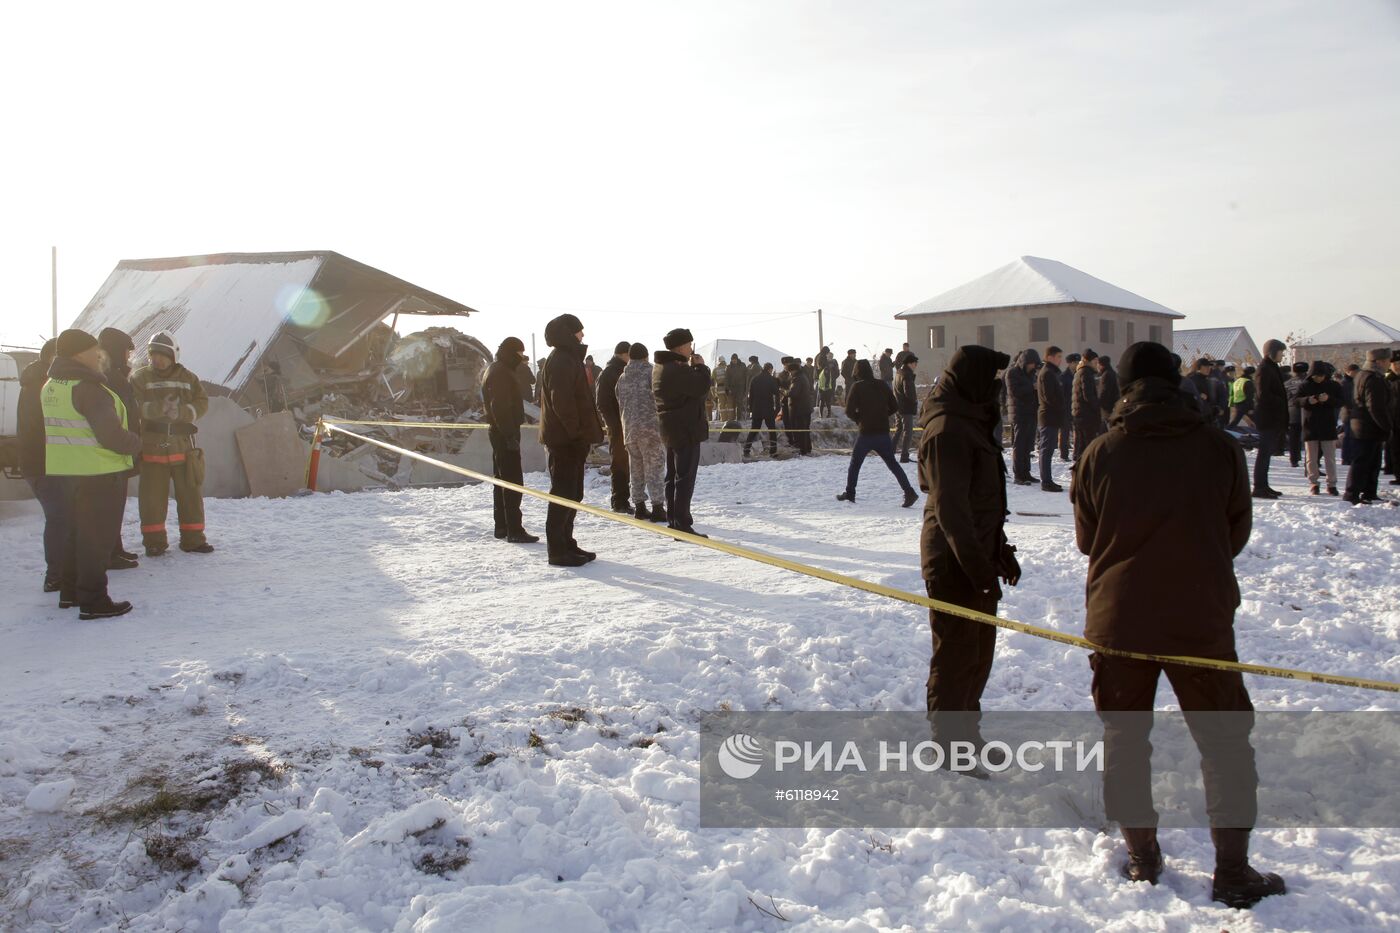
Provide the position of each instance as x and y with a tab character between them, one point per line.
1370	425
870	403
1067	393
1052	414
1163	489
799	397
1291	387
1319	399
605	394
1084	403
1270	416
963	546
681	382
29	431
1108	389
763	409
117	347
505	413
1392	379
1022	403
906	396
569	427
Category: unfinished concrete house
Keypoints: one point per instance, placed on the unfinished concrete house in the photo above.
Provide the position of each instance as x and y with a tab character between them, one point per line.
1033	302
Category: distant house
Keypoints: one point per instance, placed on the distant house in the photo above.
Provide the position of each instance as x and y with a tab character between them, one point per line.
1231	344
1347	341
303	322
1033	302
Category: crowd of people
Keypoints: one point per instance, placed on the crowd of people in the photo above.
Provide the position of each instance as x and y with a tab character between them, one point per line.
87	424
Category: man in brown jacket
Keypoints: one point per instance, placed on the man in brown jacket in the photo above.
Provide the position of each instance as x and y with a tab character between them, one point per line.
569	426
963	546
1162	498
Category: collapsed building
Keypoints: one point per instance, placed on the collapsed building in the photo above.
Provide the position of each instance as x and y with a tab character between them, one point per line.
308	333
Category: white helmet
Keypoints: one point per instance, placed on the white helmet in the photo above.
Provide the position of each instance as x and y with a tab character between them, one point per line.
163	342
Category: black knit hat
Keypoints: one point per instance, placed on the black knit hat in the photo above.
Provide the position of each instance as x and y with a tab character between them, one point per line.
637	351
72	342
678	337
1147	359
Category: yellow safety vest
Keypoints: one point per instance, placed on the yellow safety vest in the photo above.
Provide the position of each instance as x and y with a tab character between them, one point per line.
1237	390
70	446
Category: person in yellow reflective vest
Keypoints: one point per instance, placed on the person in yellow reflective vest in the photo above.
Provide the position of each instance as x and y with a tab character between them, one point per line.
88	452
171	400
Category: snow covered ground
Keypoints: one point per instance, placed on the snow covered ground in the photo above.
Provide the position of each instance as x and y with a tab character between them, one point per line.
363	712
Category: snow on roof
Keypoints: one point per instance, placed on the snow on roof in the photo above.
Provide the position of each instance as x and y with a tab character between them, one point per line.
1358	328
712	351
1218	343
226	310
1031	280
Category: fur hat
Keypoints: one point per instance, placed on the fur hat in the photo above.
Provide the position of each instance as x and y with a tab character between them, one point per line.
72	342
678	337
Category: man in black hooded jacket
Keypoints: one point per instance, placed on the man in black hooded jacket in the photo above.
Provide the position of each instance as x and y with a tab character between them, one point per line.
681	382
505	412
799	396
49	493
1163	489
870	403
1022	403
606	395
569	426
763	409
117	348
963	546
1270	416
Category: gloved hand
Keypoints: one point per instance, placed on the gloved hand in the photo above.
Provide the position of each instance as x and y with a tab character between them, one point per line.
1008	568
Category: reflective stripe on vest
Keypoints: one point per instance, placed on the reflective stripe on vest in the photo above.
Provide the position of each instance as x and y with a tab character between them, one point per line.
70	446
1237	390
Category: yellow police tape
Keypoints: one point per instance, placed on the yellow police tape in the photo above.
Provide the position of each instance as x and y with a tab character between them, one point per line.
445	425
879	589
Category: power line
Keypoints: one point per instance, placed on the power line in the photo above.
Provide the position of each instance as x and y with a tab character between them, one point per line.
870	323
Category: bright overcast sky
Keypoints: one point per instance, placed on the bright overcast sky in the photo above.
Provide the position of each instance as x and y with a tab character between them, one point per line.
717	165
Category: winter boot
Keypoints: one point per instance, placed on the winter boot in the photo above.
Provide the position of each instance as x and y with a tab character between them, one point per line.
910	497
658	512
1332	491
1314	491
155	550
123	552
1144	855
103	608
845	497
586	555
50	584
1236	883
567	560
117	562
642	512
521	536
1051	487
205	548
67	599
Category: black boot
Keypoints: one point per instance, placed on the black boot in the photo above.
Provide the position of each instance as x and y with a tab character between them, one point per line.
1236	883
1144	855
567	560
910	497
123	552
642	512
586	555
103	608
846	497
658	512
117	562
50	584
521	536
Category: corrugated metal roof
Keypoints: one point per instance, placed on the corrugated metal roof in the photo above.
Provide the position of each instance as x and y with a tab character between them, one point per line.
1357	328
227	309
1218	343
1031	280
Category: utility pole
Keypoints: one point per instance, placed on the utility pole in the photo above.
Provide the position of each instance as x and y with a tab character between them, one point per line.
531	364
821	339
53	256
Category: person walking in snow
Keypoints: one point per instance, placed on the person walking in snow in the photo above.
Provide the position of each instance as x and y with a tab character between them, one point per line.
505	413
641	430
906	396
605	395
1370	425
1084	404
763	409
171	399
681	382
870	403
1052	413
1319	399
1162	489
963	546
1270	416
569	427
1242	397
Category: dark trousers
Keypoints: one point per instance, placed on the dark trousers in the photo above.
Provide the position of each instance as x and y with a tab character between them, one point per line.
824	399
1126	685
1084	432
1392	452
1348	440
1268	444
505	464
94	514
682	464
1066	435
801	435
54	499
1364	475
961	661
1295	443
882	445
566	466
904	432
1047	439
760	421
1238	413
1022	440
621	474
